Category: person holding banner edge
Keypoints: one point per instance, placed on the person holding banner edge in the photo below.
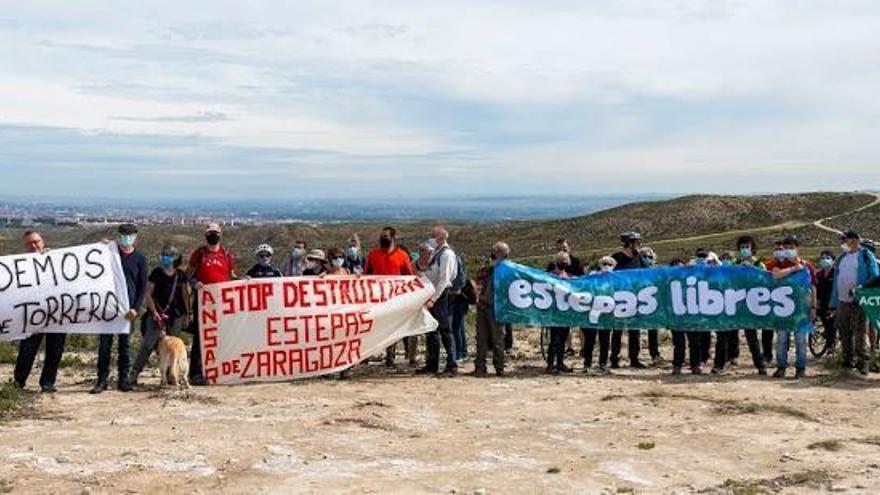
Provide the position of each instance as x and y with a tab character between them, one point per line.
854	268
490	334
606	265
28	348
441	271
134	266
628	258
783	265
747	256
558	335
209	264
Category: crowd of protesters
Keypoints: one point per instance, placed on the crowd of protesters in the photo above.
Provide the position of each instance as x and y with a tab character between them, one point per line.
166	295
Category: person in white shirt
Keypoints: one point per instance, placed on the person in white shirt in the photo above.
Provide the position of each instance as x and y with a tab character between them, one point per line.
441	271
854	268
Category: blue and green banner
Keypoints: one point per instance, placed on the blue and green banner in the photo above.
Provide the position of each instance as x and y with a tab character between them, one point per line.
702	298
869	301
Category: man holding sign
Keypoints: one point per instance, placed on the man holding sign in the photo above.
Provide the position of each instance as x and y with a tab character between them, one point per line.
855	268
28	348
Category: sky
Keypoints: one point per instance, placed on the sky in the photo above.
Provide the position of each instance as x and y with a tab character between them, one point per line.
277	100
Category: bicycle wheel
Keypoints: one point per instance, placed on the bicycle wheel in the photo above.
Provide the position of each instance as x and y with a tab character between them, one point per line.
818	340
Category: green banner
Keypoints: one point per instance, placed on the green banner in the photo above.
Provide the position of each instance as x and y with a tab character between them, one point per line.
702	298
869	301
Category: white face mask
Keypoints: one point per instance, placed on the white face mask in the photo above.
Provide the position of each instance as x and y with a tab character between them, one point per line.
607	268
311	265
338	262
431	243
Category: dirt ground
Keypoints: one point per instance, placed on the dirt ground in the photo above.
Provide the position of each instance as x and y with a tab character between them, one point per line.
632	432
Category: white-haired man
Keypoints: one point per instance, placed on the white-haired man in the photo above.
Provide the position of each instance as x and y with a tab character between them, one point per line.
441	271
490	335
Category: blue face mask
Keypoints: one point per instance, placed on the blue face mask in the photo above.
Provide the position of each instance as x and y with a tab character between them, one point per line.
826	262
745	252
298	252
790	254
726	262
166	261
127	240
779	254
352	252
648	260
699	261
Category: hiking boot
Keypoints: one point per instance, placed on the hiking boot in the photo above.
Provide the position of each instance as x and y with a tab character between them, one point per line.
198	381
448	373
696	370
48	389
550	370
656	360
481	373
865	368
425	371
779	373
800	373
604	370
564	369
615	364
500	373
762	371
637	365
99	387
123	386
676	370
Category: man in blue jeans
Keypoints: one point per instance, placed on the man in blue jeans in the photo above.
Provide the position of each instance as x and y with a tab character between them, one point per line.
134	266
784	264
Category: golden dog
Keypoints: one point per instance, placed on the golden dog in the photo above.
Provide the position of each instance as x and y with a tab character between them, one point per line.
173	363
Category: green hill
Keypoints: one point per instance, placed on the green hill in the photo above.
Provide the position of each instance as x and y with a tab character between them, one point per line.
673	227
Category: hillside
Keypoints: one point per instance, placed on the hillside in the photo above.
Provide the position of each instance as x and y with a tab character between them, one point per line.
674	227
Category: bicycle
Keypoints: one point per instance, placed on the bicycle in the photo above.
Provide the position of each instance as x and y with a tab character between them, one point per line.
819	339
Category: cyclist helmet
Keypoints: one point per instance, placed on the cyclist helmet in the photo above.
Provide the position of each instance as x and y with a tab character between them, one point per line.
264	248
628	237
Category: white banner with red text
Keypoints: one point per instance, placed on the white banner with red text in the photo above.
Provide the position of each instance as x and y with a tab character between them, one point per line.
80	289
277	329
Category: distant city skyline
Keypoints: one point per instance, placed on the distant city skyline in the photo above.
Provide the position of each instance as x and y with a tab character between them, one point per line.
328	99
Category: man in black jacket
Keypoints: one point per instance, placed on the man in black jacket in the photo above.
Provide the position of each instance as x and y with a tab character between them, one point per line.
628	258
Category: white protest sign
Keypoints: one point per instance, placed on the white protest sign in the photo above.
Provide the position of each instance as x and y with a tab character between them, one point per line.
80	289
297	327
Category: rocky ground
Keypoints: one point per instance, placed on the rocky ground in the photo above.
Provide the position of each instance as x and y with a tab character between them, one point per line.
635	431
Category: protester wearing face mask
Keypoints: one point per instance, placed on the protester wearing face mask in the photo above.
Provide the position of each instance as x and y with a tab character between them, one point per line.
316	264
606	265
354	260
558	335
168	306
134	266
649	258
296	263
824	288
628	258
854	268
575	269
490	335
785	262
389	259
748	256
682	338
703	256
209	264
336	262
263	267
29	347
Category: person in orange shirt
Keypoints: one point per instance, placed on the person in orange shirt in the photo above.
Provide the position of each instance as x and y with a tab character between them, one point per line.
389	259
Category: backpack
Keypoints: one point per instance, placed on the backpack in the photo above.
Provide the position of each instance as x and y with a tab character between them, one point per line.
870	283
461	277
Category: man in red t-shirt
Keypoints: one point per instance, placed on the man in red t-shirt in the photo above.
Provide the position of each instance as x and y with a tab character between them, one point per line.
388	259
209	264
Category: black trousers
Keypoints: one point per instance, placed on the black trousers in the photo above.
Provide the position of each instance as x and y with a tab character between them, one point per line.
767	344
705	346
632	345
27	353
196	372
443	334
830	330
724	344
590	335
508	337
556	350
123	360
678	345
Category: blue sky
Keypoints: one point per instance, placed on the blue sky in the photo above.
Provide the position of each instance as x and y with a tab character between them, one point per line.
321	99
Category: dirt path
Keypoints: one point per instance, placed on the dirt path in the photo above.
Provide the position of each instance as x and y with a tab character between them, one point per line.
644	432
820	224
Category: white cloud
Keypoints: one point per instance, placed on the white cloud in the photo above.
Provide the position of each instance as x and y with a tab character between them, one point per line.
665	88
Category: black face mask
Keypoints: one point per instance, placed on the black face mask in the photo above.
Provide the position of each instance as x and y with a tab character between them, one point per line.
562	266
213	238
385	242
